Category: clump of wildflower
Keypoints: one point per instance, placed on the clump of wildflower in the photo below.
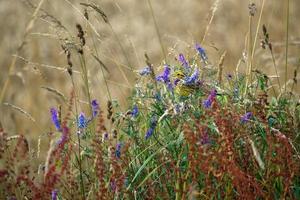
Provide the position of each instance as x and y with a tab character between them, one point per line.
183	61
82	122
118	150
246	117
207	103
135	111
54	194
55	120
151	129
193	78
165	76
145	71
95	107
201	52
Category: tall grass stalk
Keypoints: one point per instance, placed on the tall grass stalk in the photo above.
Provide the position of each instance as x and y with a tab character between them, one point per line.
287	41
79	142
249	59
121	46
213	11
102	71
86	80
157	31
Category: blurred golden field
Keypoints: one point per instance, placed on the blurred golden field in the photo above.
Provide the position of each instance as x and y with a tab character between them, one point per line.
41	62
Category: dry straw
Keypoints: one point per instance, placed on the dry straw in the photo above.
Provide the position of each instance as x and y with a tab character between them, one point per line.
20	47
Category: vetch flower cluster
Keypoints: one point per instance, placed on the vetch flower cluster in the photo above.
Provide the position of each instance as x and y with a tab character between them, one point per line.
82	122
193	78
95	107
201	52
165	76
135	111
54	118
245	118
150	131
118	150
54	194
207	103
183	61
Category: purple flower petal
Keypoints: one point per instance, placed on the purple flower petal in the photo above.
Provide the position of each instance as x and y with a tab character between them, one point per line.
95	107
245	118
55	120
201	52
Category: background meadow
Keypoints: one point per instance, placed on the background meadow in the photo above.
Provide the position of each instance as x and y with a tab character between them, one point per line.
139	135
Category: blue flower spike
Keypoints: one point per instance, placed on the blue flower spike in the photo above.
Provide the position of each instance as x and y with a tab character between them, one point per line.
246	117
82	122
201	52
95	107
54	118
135	111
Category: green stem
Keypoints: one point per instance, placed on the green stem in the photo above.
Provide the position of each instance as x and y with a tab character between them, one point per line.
79	145
86	81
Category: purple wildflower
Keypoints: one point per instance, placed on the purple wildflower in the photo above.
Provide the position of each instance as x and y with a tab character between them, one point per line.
151	129
113	185
135	111
82	122
54	194
95	107
245	118
193	78
170	86
165	76
183	61
207	103
213	93
55	120
118	150
201	52
176	81
145	71
105	136
149	133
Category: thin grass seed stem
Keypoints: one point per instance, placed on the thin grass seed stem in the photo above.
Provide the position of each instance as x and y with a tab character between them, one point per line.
20	47
249	60
102	71
214	9
78	139
157	31
275	67
287	41
86	81
121	46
